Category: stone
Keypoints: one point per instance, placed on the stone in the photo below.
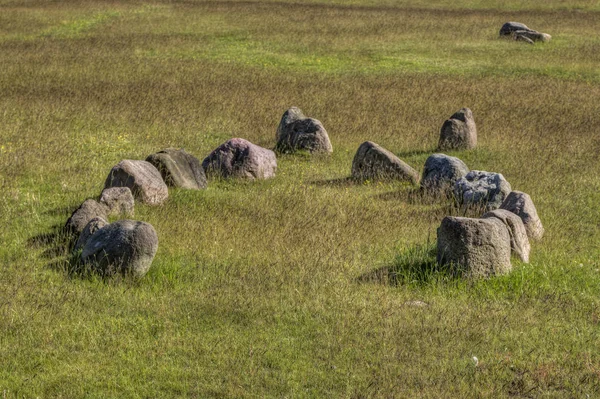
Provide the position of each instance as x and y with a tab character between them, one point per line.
118	200
519	243
94	225
459	132
522	32
126	247
521	205
441	172
375	162
142	178
475	248
240	158
179	169
522	38
298	132
509	27
88	210
480	188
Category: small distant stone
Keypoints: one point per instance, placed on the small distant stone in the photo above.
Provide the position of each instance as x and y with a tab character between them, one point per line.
416	304
142	178
118	200
126	247
459	132
519	242
179	168
375	162
480	188
298	132
476	248
441	172
240	158
94	225
521	205
87	211
522	32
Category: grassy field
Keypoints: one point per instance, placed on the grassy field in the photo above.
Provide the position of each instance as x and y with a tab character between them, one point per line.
299	286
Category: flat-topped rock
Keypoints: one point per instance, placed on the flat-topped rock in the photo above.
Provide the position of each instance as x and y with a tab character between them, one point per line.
476	248
441	172
459	132
480	188
521	205
519	243
179	169
298	132
126	247
375	162
142	178
242	159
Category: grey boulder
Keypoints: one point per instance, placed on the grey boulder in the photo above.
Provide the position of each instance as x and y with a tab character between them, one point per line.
126	247
118	200
375	162
94	225
459	132
441	172
475	248
142	178
88	210
519	243
240	158
522	32
479	188
298	132
521	205
179	169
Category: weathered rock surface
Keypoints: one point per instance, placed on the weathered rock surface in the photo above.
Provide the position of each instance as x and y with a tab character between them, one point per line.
118	200
521	205
478	248
298	132
82	215
94	225
459	132
179	169
479	188
441	172
125	246
519	243
142	178
522	32
375	162
240	158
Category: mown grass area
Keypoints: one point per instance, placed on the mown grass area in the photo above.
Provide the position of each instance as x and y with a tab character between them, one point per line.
299	286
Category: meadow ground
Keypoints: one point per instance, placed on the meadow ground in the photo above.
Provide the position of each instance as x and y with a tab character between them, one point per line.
297	286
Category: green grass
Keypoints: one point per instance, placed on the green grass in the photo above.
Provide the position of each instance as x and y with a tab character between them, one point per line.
299	286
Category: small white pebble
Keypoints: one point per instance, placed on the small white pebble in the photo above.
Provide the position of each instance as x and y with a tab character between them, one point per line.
475	361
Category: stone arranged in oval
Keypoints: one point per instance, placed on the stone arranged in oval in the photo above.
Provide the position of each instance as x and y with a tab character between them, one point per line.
119	200
521	205
519	242
87	211
240	158
94	225
125	247
179	168
142	178
459	132
480	188
441	172
298	132
476	248
375	162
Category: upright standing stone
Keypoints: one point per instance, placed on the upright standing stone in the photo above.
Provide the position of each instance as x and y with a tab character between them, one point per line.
142	178
459	132
375	162
521	205
441	172
477	248
125	246
179	169
297	132
240	158
479	188
519	242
